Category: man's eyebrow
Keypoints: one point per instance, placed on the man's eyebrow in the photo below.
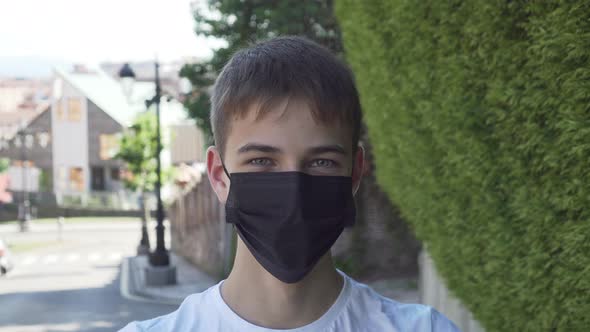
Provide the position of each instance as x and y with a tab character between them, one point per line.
326	149
258	148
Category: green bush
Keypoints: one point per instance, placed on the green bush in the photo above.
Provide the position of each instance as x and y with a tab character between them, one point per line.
479	112
4	164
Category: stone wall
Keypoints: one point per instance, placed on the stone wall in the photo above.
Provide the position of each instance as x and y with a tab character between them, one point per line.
198	229
381	244
434	293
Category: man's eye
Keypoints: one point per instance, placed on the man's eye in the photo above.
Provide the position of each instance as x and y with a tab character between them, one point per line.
260	162
323	163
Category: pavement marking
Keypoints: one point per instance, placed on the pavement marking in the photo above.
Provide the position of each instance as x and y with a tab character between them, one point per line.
69	258
94	256
50	259
115	256
28	260
72	257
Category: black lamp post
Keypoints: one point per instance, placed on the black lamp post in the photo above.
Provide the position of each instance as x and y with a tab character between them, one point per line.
25	208
160	256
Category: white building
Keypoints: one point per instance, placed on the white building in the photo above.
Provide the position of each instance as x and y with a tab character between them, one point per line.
88	113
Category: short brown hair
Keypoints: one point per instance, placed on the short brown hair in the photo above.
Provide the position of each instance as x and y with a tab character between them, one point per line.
284	67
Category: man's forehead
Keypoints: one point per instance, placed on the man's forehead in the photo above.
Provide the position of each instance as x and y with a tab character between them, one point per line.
267	148
289	125
286	109
277	139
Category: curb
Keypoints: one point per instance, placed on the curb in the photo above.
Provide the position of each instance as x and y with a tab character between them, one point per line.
129	287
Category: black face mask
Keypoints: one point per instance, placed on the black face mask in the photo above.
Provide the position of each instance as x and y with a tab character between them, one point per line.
289	220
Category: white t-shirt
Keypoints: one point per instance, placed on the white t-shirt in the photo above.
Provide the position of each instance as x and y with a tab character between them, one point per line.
358	308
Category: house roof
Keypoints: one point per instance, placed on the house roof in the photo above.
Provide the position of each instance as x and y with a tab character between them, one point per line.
107	93
11	122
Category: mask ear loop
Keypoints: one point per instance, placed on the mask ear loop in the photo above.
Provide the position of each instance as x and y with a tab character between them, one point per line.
224	169
227	173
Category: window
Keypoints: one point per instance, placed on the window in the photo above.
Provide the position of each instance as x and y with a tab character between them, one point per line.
109	144
76	179
43	138
74	109
115	174
98	180
59	110
45	181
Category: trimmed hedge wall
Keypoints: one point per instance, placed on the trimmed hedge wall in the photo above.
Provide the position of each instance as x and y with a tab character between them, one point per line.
479	112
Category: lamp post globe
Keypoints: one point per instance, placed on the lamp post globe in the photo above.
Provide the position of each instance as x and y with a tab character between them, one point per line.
127	76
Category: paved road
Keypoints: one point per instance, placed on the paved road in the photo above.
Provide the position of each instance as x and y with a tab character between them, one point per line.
72	284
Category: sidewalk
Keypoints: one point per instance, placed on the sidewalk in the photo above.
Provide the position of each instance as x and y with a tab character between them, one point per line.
190	280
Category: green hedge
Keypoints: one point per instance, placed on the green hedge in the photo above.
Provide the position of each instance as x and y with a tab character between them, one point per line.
479	112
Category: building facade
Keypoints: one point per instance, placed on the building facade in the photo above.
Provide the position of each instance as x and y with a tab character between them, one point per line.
68	148
84	141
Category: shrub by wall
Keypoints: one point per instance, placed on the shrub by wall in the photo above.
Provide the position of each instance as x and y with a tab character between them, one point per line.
479	112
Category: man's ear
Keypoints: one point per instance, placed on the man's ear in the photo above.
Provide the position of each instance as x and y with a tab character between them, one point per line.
357	170
217	177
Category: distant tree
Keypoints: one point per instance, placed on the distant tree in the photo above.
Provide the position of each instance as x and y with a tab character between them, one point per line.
137	149
240	22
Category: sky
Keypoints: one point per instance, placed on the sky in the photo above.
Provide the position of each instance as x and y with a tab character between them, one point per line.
94	31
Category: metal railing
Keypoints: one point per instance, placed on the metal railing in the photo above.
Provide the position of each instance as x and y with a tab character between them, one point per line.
97	200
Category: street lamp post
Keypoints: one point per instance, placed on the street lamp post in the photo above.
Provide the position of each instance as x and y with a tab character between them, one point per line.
161	272
160	256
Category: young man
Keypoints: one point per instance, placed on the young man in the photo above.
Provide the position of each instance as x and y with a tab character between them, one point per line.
286	162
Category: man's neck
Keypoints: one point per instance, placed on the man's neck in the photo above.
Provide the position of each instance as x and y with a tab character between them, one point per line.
258	297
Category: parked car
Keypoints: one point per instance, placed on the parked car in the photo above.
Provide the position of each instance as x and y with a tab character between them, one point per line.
6	263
